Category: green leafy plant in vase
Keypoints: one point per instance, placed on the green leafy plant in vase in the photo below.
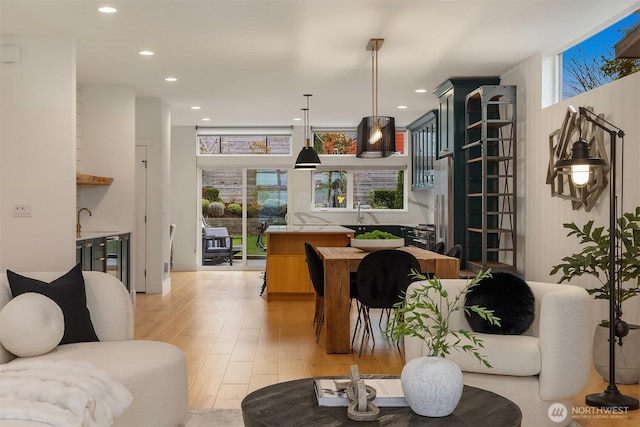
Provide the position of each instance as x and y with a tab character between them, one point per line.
433	384
594	260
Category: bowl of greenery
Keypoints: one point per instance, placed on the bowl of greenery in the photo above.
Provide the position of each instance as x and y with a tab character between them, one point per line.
377	239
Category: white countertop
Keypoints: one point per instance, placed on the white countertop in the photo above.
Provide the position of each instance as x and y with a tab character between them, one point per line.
308	229
97	234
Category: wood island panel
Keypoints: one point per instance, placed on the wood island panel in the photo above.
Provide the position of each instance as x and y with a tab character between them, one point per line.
287	272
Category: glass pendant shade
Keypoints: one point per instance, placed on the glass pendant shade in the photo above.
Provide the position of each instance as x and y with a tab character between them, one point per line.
580	174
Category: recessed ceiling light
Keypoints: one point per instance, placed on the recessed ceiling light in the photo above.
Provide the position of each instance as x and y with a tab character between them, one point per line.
171	79
195	107
107	9
421	90
296	119
146	52
206	119
402	107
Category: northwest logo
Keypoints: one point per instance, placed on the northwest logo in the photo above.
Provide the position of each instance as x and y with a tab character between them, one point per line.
557	412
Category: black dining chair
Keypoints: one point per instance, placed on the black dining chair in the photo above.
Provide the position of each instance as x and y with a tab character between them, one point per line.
383	278
438	248
316	273
261	244
455	251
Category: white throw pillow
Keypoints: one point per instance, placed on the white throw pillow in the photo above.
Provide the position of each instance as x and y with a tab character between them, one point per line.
31	324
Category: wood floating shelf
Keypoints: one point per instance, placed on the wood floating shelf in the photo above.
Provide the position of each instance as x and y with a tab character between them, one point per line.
84	179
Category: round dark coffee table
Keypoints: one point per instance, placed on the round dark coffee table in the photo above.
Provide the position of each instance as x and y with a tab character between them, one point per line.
294	403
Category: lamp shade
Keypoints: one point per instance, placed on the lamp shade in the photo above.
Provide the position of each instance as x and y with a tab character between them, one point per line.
376	137
307	159
580	155
580	162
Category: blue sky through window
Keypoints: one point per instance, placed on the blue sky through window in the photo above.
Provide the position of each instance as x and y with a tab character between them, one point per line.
591	49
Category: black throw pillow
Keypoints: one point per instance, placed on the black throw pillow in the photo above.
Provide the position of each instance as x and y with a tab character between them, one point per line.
68	291
511	299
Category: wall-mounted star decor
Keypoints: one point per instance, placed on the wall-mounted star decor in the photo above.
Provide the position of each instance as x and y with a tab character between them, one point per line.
561	140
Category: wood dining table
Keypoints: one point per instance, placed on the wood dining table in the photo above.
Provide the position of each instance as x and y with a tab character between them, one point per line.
339	262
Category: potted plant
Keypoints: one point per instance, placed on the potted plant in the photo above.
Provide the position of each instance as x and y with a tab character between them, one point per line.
425	313
594	260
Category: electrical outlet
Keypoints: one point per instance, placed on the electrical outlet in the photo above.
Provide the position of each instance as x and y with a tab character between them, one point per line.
22	210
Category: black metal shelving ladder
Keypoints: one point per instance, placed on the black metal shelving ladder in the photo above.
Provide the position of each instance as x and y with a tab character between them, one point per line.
490	187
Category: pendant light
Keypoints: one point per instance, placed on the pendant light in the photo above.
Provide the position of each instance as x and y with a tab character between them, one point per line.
376	134
308	158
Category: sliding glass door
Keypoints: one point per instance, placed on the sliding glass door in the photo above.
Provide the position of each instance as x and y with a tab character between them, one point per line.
241	201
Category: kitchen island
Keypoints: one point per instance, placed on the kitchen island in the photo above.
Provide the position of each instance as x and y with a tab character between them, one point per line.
286	271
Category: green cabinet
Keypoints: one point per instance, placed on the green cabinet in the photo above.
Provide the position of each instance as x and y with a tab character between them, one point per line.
424	146
451	139
446	140
109	254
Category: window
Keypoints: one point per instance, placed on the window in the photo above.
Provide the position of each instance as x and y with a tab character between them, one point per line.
359	189
592	63
343	141
212	141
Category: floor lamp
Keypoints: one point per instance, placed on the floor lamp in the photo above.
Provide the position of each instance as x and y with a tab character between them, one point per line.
580	162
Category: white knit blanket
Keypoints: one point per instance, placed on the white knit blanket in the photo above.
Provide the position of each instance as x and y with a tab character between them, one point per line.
60	393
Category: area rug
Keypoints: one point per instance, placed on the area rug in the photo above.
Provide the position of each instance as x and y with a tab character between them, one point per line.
214	418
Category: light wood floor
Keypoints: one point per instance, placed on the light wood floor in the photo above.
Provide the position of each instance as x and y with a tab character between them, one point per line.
236	342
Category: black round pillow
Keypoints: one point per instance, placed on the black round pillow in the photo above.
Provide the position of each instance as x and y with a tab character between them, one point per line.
511	299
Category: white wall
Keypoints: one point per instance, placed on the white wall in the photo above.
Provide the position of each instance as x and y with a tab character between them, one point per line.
184	198
37	155
543	240
153	120
108	149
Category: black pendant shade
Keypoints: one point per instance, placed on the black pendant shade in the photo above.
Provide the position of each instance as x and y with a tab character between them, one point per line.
372	144
307	159
580	155
376	134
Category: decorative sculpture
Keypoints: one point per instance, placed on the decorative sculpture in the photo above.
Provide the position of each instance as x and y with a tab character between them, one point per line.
573	126
360	397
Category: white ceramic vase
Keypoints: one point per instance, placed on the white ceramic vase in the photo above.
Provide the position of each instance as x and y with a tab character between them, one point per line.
432	385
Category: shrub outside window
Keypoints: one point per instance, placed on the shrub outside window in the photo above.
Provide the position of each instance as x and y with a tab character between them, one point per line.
365	189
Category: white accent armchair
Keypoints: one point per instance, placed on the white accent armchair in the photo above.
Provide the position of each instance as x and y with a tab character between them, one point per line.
154	372
548	364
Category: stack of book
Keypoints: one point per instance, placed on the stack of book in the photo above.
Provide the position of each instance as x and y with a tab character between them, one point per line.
332	392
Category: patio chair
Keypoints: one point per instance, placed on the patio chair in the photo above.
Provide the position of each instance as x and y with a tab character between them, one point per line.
218	244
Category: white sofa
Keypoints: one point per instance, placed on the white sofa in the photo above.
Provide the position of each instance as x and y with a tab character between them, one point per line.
548	364
154	372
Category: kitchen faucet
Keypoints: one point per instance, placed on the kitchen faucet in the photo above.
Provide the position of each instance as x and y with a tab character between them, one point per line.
78	220
359	216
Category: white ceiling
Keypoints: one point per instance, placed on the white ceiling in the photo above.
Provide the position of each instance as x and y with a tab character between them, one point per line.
249	62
